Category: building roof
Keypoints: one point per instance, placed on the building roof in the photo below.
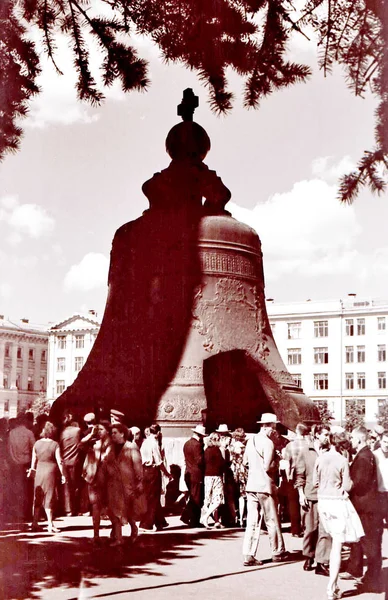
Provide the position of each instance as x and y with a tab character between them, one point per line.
77	322
22	326
350	305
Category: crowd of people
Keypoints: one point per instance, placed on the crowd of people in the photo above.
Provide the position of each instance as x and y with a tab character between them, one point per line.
332	488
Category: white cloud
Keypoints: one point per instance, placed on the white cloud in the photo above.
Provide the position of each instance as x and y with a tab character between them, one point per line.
9	202
305	231
32	220
89	274
326	168
24	219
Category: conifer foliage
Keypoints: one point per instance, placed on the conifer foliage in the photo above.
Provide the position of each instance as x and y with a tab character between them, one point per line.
208	36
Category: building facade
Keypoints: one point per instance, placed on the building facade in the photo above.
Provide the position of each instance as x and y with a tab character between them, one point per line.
336	351
23	365
70	343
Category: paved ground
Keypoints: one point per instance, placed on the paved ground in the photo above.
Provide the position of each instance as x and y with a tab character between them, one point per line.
176	563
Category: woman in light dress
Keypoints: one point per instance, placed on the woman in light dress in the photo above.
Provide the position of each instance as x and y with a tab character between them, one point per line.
338	516
46	463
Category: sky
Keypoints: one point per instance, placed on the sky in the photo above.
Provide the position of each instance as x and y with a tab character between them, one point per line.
78	175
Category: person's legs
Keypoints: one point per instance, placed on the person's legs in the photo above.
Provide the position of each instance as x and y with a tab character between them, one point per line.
117	534
334	567
294	510
152	490
311	530
271	518
252	531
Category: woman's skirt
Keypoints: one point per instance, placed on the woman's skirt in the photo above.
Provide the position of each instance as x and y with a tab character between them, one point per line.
214	492
340	519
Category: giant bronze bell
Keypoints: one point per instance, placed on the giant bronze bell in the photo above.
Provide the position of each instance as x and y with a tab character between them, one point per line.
185	336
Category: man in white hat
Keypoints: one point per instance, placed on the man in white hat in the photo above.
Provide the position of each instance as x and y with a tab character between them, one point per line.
194	474
261	493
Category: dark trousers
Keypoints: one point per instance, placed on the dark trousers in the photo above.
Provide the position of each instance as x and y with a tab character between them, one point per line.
70	489
20	493
152	484
369	545
383	506
192	512
316	542
294	509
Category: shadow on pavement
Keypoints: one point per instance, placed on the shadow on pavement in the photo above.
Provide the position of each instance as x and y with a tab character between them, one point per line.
32	563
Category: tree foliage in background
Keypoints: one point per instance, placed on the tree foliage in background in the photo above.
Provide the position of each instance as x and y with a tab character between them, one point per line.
40	406
208	36
355	415
325	415
382	417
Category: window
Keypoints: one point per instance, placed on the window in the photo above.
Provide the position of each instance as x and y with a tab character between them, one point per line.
361	381
79	341
321	381
19	381
61	364
360	353
294	330
360	326
60	386
6	406
6	381
349	354
43	356
381	324
321	356
30	354
382	380
381	353
349	327
19	353
42	383
272	325
321	328
349	381
78	363
355	407
62	342
7	351
30	383
298	379
294	356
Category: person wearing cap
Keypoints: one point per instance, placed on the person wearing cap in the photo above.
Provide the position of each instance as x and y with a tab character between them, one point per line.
262	493
194	476
137	436
116	416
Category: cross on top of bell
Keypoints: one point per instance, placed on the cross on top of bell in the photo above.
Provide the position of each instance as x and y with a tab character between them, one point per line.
188	105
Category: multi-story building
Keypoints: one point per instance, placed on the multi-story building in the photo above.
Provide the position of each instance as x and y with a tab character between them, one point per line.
70	343
23	365
336	351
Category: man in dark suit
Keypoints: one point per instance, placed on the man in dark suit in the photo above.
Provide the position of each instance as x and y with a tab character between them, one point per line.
194	474
364	496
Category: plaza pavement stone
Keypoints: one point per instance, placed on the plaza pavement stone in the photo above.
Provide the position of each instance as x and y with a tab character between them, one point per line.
174	563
